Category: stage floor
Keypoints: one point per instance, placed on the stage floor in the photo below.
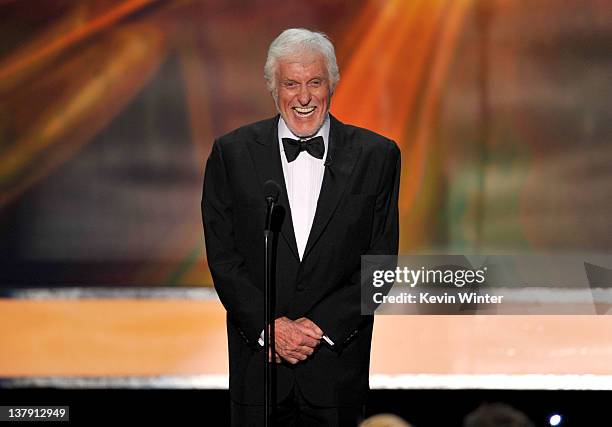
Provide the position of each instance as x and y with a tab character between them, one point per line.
181	343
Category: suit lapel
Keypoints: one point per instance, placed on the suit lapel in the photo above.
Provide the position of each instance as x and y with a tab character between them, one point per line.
265	153
340	162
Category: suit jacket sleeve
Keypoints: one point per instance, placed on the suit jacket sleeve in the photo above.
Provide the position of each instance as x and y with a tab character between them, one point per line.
339	314
242	300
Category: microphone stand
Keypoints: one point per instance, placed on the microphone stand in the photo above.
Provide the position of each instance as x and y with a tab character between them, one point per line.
269	337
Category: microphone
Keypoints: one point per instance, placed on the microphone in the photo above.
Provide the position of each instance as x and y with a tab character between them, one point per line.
271	192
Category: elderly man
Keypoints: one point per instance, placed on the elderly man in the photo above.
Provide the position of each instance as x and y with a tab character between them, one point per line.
339	192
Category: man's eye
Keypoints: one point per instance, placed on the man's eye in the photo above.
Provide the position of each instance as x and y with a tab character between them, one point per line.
289	84
315	83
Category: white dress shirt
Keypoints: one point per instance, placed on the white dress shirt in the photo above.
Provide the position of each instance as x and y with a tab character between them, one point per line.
303	178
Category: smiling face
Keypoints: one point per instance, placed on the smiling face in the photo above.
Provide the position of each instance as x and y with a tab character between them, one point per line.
303	92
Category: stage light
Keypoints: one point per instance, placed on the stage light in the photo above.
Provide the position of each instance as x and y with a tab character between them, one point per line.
555	420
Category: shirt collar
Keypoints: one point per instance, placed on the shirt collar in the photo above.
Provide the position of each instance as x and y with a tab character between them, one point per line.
284	132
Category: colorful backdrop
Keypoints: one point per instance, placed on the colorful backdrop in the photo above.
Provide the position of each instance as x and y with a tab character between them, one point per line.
108	110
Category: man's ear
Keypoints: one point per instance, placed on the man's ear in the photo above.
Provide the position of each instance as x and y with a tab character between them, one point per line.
274	94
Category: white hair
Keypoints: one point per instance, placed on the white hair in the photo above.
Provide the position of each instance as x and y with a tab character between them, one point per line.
294	40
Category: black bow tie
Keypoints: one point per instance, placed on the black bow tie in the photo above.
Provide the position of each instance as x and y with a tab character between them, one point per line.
313	146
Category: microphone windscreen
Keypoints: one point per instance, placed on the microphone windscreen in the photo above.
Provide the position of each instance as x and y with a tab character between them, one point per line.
271	190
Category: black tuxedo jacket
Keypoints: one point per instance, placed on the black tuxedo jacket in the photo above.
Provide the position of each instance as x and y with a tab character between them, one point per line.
356	214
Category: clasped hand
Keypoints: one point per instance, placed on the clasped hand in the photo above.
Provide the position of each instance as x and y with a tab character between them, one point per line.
295	340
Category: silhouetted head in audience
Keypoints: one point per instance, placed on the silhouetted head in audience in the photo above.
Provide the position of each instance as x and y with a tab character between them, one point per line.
496	415
384	420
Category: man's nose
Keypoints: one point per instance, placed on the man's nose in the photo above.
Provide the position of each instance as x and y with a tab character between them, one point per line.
304	95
